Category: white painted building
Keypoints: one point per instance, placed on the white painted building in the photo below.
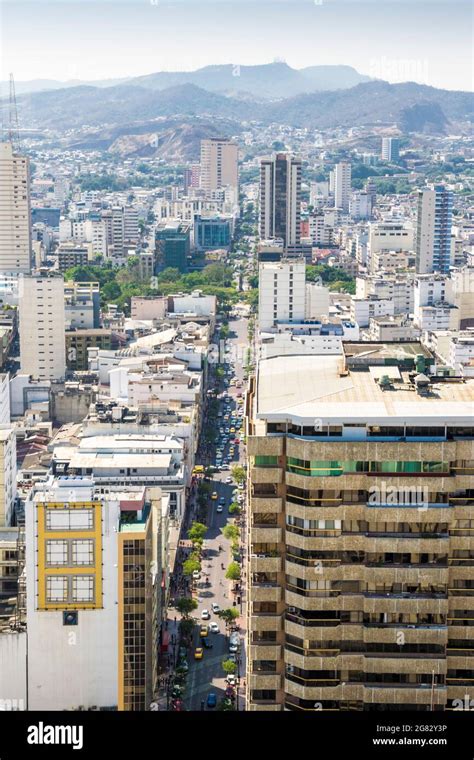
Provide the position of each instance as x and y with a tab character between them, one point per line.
8	471
342	185
392	236
363	309
42	327
282	292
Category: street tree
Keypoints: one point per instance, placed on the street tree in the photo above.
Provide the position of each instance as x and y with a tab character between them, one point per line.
190	566
197	531
228	615
229	667
238	473
230	532
185	605
233	572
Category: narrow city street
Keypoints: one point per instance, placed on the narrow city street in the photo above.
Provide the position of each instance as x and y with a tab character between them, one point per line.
206	675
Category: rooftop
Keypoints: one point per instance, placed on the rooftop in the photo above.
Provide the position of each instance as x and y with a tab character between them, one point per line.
316	387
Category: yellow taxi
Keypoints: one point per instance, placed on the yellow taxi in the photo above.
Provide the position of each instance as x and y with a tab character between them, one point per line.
214	495
198	653
203	632
232	430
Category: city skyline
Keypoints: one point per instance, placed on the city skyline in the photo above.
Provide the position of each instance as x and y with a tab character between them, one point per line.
101	50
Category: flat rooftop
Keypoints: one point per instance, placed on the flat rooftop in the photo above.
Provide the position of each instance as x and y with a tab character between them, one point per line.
308	388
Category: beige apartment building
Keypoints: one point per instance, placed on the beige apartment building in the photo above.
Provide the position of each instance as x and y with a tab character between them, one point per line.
219	164
15	224
360	568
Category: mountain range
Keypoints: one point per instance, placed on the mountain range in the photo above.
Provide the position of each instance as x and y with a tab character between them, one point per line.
272	80
411	106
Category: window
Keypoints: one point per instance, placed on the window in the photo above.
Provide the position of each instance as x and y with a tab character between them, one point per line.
69	519
56	552
83	552
56	588
83	588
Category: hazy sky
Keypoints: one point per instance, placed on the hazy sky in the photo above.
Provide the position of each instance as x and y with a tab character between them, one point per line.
428	41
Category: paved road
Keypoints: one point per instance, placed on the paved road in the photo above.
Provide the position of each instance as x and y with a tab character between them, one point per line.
206	675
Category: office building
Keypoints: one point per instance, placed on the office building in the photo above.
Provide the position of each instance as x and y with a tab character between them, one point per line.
212	232
358	570
390	149
281	292
280	199
433	230
15	222
42	326
219	164
342	185
173	244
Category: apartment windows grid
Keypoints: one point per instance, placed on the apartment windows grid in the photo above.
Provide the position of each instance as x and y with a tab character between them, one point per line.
70	589
69	519
56	552
69	553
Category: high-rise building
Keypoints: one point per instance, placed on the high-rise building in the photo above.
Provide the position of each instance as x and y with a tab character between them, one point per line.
42	326
281	292
280	199
433	231
358	569
15	222
219	163
173	244
390	149
96	585
342	185
8	472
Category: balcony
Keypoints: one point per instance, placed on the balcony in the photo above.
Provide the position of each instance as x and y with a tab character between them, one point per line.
269	503
265	534
266	622
263	563
266	475
264	651
265	681
265	592
404	694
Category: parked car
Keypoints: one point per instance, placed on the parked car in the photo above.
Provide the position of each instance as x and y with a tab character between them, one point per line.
213	627
211	699
215	607
205	615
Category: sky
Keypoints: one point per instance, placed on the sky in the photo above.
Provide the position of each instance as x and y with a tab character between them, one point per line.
426	41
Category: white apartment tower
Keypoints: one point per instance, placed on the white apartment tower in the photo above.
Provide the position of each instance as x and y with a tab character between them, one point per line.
342	185
282	292
433	232
15	225
219	164
42	326
280	199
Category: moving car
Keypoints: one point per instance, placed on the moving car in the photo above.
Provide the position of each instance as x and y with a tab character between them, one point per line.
220	508
203	632
198	653
211	700
214	495
206	643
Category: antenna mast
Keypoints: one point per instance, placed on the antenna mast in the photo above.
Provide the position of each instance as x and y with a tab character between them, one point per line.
13	127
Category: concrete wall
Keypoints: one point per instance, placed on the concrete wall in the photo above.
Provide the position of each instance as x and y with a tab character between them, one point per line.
13	671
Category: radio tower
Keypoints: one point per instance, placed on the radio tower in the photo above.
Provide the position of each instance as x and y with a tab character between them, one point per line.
13	128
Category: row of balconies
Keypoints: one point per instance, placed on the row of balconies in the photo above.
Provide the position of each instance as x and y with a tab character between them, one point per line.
386	694
301	448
